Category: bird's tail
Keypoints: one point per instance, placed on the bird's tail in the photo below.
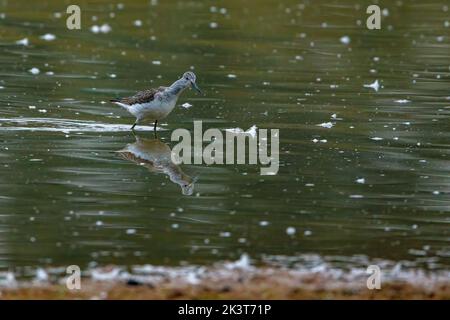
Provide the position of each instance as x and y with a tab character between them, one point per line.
120	103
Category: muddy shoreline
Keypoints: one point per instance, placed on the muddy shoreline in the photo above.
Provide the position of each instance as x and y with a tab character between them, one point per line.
233	280
256	288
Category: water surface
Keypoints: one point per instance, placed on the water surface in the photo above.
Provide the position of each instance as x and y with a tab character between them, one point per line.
376	183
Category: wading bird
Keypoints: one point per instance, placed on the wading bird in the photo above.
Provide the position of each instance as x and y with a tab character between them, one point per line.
156	104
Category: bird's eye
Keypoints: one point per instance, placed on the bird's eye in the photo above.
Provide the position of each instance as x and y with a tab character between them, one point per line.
186	78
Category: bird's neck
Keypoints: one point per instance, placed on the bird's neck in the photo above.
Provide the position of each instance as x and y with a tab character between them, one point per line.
176	88
176	175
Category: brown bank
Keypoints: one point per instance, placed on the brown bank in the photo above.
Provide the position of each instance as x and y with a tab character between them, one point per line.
230	283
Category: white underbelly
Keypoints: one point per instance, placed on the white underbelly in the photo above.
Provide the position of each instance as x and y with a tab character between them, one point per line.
155	110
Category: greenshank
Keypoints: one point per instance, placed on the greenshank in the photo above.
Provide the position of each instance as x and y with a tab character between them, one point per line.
156	104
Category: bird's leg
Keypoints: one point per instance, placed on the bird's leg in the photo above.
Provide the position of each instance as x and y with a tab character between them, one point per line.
134	125
154	128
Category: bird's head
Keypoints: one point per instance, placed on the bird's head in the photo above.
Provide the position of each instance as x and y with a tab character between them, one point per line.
189	79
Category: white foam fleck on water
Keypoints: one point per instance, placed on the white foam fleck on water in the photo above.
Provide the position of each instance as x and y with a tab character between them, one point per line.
242	263
156	62
186	105
48	37
416	252
376	138
104	28
360	180
137	23
345	40
232	76
34	70
103	275
402	101
374	85
213	25
327	125
95	29
290	231
264	223
41	275
131	231
23	42
252	131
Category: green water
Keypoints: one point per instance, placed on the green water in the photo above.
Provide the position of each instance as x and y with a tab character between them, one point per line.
376	183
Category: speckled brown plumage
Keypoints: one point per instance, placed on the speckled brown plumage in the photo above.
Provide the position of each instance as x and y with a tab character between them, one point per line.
140	97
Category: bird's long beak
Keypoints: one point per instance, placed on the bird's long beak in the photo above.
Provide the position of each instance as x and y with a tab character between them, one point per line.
194	86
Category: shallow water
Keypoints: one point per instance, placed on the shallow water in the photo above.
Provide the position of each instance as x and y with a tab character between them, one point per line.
375	184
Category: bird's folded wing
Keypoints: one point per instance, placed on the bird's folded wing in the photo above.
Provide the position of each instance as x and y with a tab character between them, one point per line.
145	96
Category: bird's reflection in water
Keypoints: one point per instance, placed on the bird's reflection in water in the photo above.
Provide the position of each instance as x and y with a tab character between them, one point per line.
155	156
